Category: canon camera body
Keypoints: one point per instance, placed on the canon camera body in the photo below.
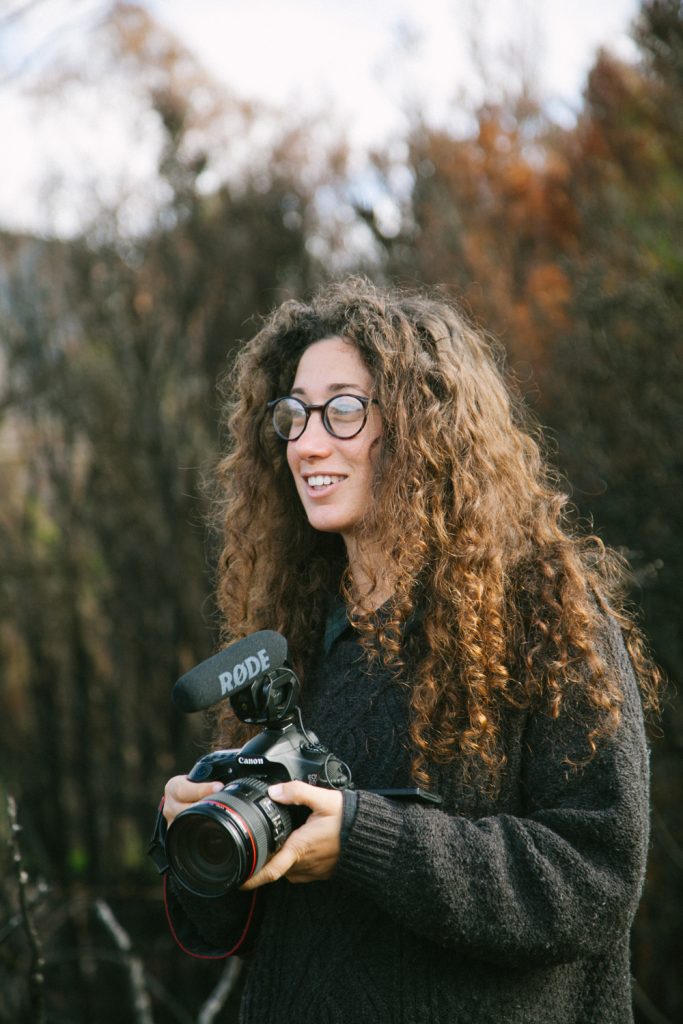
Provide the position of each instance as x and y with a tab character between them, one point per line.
219	842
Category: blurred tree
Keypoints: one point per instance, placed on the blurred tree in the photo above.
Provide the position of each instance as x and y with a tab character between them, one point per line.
613	390
112	345
490	217
569	244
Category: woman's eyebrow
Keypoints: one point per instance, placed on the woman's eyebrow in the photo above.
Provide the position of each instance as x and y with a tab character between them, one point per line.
335	388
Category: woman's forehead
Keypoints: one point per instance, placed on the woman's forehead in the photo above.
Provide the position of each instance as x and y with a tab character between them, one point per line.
331	361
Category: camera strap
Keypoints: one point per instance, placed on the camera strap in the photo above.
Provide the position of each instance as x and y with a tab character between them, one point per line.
415	793
157	843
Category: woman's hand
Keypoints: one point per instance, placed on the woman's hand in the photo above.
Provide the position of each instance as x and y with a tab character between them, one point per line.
180	793
311	852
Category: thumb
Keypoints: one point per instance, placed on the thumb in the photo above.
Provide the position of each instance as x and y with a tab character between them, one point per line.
318	798
295	792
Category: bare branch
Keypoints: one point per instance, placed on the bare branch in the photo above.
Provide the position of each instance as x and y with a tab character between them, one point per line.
48	42
19	12
16	921
37	972
218	998
141	1001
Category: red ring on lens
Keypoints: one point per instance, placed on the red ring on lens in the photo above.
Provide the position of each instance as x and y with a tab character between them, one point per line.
245	827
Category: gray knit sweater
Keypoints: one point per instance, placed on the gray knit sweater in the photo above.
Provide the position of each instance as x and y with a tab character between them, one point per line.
491	909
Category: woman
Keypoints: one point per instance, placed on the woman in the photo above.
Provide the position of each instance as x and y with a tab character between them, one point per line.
386	509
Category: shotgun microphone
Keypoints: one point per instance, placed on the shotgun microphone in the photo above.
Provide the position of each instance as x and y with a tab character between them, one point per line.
231	670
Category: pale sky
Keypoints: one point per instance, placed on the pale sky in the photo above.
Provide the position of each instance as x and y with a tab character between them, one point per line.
359	62
346	49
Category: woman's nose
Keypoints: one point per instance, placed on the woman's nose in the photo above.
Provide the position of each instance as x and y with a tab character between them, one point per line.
315	439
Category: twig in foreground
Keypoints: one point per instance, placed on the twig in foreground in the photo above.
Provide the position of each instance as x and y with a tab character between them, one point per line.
37	969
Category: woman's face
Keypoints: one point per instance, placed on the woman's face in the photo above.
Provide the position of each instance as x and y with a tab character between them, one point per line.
333	477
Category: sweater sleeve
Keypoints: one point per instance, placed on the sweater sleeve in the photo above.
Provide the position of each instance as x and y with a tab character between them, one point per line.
556	883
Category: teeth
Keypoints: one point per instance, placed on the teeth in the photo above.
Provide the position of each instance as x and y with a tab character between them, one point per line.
322	481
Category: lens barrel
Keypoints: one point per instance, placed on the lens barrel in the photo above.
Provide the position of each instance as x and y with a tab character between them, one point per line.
221	841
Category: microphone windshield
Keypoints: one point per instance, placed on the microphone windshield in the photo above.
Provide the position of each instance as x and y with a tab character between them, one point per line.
230	671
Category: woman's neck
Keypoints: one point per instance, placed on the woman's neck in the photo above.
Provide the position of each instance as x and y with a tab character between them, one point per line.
373	585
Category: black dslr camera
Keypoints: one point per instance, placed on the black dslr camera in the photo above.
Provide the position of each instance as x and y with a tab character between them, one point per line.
218	843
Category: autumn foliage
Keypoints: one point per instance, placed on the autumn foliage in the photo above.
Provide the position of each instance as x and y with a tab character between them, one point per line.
565	242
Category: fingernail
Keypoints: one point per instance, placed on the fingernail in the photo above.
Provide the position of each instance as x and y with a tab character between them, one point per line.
217	787
275	791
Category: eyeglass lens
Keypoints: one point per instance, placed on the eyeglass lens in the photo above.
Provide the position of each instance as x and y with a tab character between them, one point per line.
343	416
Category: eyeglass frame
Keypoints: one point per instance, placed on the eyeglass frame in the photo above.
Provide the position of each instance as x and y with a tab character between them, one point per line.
322	409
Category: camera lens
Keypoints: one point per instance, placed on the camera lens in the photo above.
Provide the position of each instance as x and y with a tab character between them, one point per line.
211	849
206	852
213	845
218	843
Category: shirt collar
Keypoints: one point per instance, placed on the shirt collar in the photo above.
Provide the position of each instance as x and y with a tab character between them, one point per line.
337	622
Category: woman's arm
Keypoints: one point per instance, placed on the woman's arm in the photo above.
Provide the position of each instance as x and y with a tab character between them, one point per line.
559	882
555	882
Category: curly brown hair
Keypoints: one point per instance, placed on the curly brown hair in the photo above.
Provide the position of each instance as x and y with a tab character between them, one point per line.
473	527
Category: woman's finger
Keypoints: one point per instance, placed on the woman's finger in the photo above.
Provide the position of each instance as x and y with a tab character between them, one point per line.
180	793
